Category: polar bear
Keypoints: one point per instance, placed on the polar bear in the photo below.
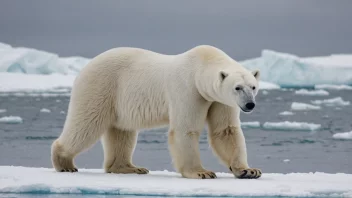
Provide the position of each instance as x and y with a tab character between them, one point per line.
126	89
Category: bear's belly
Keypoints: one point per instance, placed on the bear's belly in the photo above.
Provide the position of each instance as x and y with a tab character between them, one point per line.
141	112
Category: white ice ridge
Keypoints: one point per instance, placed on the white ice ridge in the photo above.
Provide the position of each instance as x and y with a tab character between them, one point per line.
33	61
254	124
33	181
12	82
11	120
343	136
338	101
312	92
298	106
293	71
333	87
291	126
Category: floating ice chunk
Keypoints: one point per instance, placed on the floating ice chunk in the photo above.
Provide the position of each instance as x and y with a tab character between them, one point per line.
44	110
286	160
3	110
291	126
11	120
335	87
297	106
338	101
290	70
312	92
265	92
343	136
62	112
255	124
39	181
286	113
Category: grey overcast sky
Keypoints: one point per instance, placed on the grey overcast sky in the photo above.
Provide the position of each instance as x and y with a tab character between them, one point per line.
240	28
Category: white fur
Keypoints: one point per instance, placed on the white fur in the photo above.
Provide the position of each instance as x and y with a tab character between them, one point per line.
127	89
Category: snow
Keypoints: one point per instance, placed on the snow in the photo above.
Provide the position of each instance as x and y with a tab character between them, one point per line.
3	110
11	120
312	92
288	70
338	101
286	113
291	126
44	110
255	124
343	136
334	87
298	106
25	180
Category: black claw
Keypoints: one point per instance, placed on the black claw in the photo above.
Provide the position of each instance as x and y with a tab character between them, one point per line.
260	172
252	172
230	168
245	173
139	170
212	176
75	169
198	175
203	176
62	170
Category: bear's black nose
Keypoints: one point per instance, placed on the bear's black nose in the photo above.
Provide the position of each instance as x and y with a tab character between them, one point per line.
250	105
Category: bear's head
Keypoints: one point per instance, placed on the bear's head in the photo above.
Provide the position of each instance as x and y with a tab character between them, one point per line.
238	88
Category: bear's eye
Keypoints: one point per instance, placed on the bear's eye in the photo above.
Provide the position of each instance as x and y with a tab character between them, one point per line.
253	87
238	88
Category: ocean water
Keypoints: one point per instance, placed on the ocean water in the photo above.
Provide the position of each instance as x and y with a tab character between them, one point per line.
273	151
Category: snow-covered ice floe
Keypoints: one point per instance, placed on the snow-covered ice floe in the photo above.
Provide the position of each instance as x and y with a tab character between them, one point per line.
3	110
254	124
25	180
338	101
291	126
11	120
312	92
343	136
298	106
289	70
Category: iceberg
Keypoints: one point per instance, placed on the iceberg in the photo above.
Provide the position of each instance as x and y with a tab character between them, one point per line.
288	70
34	181
44	110
33	61
286	113
291	126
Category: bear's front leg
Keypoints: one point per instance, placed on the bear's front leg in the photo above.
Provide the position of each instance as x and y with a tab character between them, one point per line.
227	140
229	144
184	150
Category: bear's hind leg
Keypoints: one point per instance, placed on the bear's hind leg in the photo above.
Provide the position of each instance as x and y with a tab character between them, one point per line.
118	148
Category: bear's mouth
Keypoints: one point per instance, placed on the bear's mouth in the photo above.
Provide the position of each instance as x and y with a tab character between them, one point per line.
245	110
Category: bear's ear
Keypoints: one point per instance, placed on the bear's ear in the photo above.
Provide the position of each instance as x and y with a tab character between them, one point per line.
256	74
223	75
